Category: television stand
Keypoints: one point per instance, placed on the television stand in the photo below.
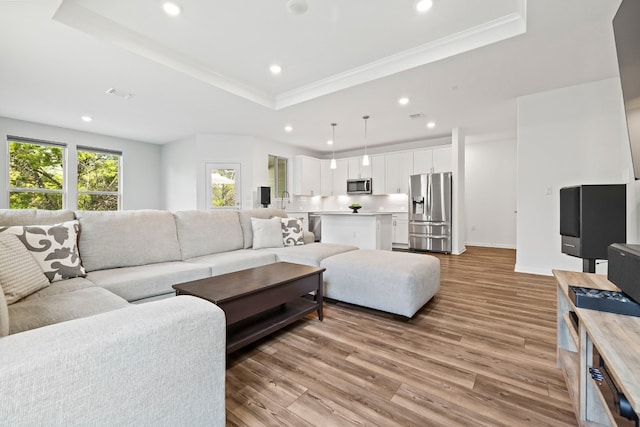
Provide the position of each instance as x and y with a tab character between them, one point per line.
583	334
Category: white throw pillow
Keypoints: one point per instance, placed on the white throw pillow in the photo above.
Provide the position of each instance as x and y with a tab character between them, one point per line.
292	234
54	247
20	274
267	233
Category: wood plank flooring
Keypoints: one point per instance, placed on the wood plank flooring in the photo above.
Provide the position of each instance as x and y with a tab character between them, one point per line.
481	353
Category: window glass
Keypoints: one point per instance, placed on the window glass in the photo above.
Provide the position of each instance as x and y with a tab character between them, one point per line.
277	176
98	180
36	175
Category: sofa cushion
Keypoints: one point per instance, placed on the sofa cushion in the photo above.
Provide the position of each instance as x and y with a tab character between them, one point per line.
267	233
229	262
292	233
10	217
20	274
61	287
245	221
127	238
208	232
30	314
310	254
54	247
144	281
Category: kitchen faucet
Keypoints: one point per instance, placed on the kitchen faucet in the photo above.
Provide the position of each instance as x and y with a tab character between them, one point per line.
284	194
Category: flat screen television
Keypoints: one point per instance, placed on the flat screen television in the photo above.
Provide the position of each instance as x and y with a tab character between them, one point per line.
626	30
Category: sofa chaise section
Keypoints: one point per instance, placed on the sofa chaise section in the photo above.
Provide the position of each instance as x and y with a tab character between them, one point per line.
160	363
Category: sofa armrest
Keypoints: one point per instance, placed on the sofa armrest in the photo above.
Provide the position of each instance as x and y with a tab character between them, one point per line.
308	237
160	363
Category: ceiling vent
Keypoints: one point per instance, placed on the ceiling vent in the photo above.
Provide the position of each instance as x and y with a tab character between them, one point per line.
416	116
119	93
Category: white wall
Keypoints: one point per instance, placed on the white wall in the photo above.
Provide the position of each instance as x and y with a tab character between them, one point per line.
179	175
569	136
141	174
490	185
250	152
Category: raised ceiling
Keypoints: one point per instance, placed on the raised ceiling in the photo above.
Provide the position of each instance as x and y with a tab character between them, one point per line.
462	64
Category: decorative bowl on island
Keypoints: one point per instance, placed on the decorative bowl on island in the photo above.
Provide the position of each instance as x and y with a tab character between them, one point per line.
354	207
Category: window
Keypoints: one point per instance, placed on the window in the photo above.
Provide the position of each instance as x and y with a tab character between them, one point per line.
277	176
98	179
36	174
223	186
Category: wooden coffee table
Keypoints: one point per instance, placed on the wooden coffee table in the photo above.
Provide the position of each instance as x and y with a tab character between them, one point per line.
259	301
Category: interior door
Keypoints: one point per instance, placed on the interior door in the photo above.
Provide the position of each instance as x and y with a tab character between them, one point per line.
223	186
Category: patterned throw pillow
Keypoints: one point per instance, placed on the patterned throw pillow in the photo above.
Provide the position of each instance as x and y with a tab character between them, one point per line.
20	274
54	247
292	234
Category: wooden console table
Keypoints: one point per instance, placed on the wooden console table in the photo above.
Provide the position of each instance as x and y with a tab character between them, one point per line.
615	337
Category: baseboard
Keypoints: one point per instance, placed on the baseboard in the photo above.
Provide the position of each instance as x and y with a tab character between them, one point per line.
491	245
533	270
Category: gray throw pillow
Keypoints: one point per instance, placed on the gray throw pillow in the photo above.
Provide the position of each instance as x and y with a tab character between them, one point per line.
267	233
20	274
54	247
292	234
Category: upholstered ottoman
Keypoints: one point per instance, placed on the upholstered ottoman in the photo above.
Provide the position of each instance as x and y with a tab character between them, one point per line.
395	282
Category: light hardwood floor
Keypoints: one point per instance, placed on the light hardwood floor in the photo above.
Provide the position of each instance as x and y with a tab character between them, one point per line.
481	353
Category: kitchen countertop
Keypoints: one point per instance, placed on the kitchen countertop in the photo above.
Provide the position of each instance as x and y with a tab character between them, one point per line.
351	213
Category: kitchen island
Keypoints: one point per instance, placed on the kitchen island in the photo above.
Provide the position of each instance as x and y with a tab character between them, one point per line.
366	230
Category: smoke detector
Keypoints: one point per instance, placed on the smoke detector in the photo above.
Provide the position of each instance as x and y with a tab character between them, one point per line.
119	93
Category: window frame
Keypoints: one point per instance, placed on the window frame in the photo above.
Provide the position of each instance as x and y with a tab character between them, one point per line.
276	192
33	141
118	193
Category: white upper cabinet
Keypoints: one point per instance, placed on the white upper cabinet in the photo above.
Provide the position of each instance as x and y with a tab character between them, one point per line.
442	157
430	160
306	176
398	168
422	161
326	178
378	175
357	170
340	176
333	182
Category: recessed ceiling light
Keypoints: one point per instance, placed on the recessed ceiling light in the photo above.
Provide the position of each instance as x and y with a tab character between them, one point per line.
171	9
297	7
330	142
288	128
431	125
86	118
403	101
424	5
275	69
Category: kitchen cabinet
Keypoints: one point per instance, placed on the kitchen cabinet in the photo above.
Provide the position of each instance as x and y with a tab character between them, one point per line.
432	160
357	170
326	178
398	168
306	176
378	175
333	182
364	230
400	230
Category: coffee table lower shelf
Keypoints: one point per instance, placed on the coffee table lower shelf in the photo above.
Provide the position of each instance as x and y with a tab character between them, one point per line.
260	325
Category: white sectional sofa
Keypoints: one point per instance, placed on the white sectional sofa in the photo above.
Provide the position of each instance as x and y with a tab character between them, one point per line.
84	351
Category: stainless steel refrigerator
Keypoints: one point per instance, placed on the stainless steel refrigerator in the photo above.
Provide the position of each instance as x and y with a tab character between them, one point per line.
430	212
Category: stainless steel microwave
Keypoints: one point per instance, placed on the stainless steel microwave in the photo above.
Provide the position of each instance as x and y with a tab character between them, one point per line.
359	186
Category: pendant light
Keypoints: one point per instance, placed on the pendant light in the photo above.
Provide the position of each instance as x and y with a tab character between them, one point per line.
333	165
365	158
